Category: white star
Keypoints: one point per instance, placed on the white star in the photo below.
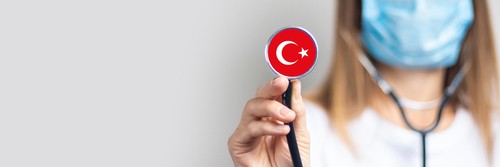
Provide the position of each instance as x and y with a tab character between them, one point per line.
303	52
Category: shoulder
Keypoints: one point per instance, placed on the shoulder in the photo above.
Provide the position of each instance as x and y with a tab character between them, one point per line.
495	126
326	146
495	132
317	117
495	121
314	109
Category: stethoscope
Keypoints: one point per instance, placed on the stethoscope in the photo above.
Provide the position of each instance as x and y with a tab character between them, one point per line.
450	90
384	86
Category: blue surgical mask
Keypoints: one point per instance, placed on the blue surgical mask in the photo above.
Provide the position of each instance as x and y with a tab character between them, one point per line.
415	34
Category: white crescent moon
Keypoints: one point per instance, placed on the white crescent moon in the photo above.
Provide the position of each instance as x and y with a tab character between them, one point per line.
279	53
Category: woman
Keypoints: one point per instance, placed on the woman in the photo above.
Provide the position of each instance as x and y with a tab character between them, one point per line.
419	49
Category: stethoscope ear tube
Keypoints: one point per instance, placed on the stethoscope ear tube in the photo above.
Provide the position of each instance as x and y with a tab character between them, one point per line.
450	90
423	132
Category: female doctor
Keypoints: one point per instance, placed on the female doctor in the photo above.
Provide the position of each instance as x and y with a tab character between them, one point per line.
412	83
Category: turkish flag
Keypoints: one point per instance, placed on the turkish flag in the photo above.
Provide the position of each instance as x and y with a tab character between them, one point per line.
291	52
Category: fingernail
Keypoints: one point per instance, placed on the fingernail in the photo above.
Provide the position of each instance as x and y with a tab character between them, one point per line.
278	79
284	111
274	81
284	81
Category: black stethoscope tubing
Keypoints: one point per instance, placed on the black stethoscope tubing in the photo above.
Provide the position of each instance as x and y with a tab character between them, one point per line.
423	133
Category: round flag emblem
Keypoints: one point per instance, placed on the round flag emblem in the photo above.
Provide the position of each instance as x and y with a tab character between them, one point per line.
291	52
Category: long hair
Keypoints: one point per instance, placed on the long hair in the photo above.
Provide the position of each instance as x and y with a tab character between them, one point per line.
348	87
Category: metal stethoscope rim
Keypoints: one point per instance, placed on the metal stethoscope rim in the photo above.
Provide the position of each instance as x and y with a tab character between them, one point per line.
278	31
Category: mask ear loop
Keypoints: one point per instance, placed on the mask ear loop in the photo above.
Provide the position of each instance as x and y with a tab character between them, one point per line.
384	86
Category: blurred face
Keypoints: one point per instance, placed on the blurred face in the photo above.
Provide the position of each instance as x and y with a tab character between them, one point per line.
415	34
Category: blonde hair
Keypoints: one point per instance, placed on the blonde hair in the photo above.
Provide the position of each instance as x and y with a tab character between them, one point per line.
348	88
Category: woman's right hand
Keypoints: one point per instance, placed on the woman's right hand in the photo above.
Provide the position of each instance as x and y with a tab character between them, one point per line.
260	138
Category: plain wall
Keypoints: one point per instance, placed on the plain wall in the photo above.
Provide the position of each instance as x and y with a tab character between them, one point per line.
140	83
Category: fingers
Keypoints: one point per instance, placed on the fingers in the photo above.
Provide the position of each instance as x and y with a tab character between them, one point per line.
256	109
273	88
246	134
298	107
263	128
263	117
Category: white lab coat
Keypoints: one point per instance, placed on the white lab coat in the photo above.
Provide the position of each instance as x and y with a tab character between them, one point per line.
379	143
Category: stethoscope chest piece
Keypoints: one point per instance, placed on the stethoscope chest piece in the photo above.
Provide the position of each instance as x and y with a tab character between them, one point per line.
291	52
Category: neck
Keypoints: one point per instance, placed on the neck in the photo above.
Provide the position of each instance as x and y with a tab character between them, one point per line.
415	85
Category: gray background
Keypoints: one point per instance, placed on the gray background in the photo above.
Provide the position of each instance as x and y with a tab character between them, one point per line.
139	83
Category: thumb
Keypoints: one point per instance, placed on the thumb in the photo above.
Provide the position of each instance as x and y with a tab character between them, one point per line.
298	107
